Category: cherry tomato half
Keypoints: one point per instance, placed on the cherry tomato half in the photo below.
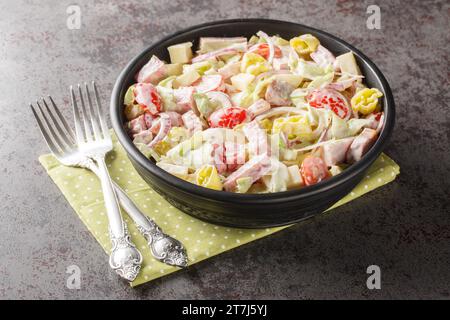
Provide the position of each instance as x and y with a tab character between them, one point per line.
331	100
227	117
313	170
263	50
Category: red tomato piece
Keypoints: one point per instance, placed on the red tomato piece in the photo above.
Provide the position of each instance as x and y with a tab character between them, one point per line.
331	100
263	50
313	170
147	96
228	117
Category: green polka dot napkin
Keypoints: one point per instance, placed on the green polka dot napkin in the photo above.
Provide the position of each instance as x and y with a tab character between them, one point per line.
202	240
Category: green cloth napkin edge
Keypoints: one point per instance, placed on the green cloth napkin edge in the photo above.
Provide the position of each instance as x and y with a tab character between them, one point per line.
138	281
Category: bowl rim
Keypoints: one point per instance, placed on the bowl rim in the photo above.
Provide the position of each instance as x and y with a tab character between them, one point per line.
283	196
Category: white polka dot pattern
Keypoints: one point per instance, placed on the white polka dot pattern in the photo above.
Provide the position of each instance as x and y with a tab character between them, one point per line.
202	240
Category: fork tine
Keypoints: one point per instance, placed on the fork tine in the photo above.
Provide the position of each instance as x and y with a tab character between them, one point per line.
47	136
93	114
85	117
63	120
61	131
100	112
56	137
76	114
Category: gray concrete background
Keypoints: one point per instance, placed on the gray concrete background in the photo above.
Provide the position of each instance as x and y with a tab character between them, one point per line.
403	227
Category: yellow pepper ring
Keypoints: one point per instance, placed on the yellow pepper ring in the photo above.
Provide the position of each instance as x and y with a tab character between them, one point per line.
365	101
208	177
305	44
253	63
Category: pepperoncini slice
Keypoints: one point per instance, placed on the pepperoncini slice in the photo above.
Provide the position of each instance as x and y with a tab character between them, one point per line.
208	177
365	101
305	44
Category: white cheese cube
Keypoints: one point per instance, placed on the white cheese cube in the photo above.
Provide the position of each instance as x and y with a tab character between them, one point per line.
347	63
242	81
180	53
186	79
295	179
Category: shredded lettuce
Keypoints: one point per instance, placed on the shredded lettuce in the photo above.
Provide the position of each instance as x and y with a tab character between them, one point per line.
298	97
243	184
278	179
167	82
322	81
167	98
203	104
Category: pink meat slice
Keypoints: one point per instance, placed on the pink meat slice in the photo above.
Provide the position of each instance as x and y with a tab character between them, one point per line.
228	156
257	139
218	155
258	107
175	118
145	94
192	122
184	98
137	125
208	83
323	57
148	118
335	152
361	145
144	137
214	54
278	92
255	168
152	72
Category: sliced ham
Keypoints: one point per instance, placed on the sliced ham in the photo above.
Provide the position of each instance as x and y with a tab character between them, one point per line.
175	118
278	93
144	137
184	98
215	54
257	139
137	125
207	83
234	155
361	144
228	156
218	156
323	57
334	152
152	72
192	122
258	107
147	96
148	118
257	167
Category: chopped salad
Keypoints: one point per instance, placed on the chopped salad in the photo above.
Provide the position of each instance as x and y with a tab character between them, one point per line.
255	115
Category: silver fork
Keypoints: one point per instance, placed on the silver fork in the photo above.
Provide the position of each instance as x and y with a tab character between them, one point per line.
162	246
62	142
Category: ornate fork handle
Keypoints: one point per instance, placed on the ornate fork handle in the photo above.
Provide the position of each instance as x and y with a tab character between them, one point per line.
162	246
124	258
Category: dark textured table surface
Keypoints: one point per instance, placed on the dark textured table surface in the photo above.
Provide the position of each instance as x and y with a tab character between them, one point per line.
403	227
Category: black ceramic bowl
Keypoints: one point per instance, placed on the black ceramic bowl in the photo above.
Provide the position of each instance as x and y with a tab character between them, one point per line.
249	210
